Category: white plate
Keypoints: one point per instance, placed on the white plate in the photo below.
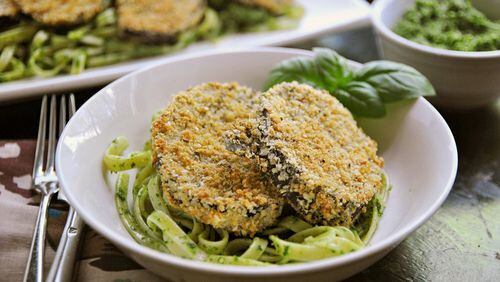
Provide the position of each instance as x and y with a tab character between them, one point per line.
320	17
416	143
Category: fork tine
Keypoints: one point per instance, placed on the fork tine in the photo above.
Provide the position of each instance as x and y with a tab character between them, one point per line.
72	106
62	114
40	141
49	169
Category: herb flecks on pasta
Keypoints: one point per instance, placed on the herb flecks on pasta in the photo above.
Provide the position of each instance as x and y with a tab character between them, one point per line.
30	48
155	224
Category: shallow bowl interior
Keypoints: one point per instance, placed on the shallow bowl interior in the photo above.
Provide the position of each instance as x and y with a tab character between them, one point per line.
417	145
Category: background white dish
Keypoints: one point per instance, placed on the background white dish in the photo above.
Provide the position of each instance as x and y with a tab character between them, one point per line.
418	147
320	17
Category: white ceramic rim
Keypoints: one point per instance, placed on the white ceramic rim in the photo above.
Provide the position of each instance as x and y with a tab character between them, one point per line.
380	5
134	247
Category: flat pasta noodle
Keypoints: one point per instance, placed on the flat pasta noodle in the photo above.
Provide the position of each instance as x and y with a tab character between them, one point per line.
140	213
44	51
177	241
212	246
154	195
115	162
130	223
157	225
256	249
142	176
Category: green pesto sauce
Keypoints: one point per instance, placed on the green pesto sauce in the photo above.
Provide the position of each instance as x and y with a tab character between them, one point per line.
449	24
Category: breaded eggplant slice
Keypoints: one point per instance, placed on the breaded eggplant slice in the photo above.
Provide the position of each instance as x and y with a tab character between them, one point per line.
277	7
199	175
313	150
62	12
159	20
8	9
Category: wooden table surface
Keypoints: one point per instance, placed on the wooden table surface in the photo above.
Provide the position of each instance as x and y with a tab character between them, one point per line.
461	242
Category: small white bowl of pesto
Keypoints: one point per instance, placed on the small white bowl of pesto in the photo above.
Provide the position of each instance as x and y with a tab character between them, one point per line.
451	42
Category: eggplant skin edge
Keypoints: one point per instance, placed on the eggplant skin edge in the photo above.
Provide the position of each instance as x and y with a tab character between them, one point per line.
311	148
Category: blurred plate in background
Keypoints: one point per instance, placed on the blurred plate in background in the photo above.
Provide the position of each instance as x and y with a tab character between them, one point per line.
320	17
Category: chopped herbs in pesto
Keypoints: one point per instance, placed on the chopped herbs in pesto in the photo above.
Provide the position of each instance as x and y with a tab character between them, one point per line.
449	24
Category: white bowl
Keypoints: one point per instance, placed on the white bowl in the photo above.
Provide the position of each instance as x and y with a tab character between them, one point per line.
462	79
418	147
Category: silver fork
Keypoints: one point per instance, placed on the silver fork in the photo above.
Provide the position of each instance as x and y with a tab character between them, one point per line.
45	182
64	261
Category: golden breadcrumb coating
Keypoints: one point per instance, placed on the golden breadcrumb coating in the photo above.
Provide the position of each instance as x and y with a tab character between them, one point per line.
61	12
159	17
8	8
309	143
199	175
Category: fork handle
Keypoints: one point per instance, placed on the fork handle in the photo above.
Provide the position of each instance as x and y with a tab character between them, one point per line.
64	261
34	267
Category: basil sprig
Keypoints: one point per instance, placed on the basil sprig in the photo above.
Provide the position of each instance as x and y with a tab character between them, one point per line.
364	91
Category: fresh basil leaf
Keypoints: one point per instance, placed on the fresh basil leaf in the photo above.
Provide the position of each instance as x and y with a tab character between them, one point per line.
361	99
333	68
394	81
300	69
365	91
